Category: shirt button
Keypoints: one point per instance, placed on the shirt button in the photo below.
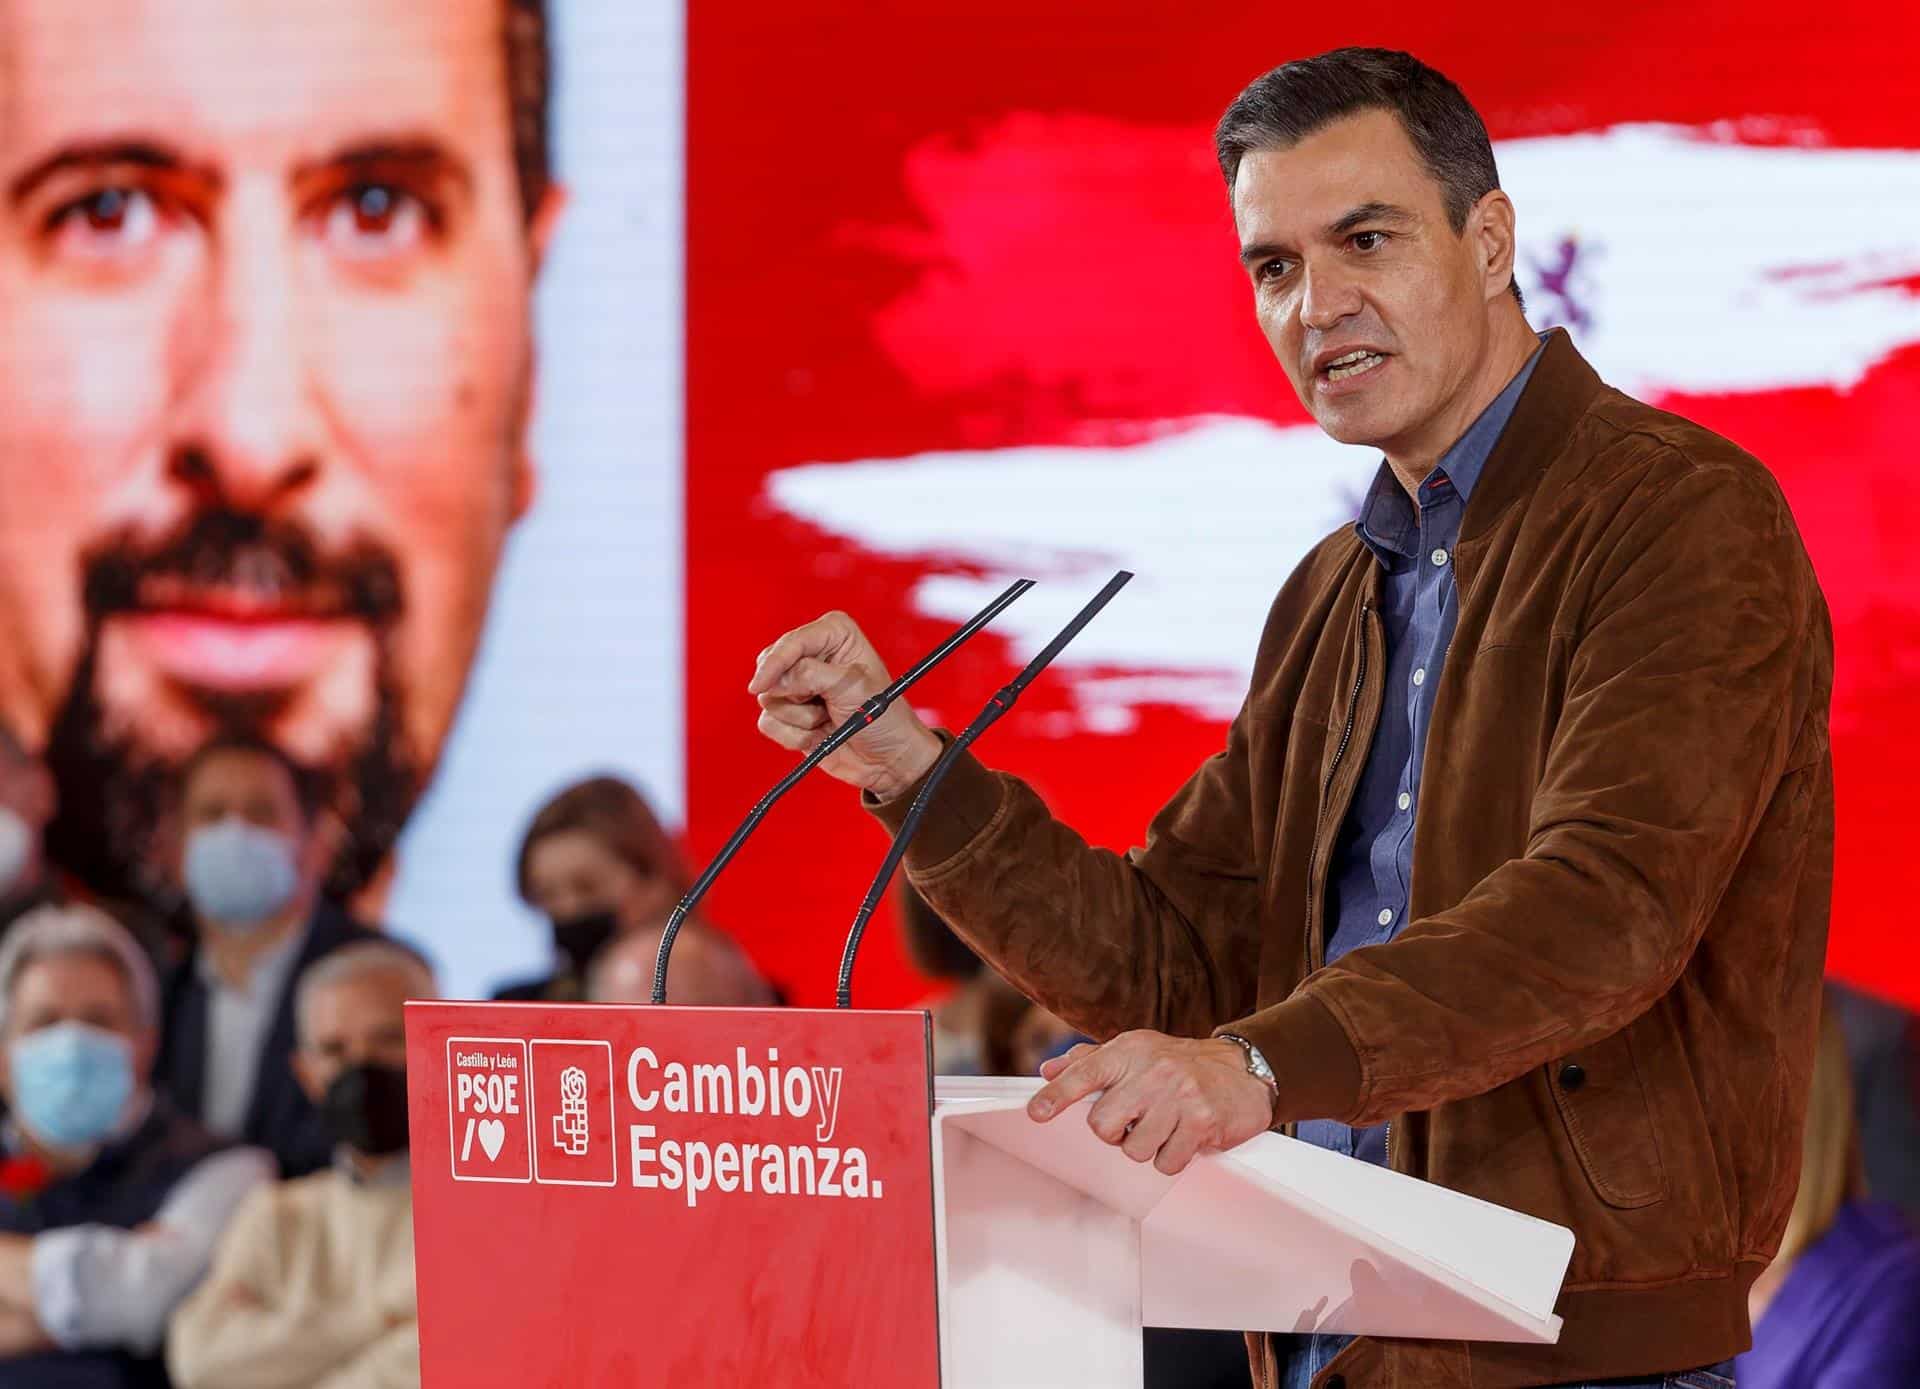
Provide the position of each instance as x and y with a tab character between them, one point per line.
1420	676
1405	800
1439	557
1386	916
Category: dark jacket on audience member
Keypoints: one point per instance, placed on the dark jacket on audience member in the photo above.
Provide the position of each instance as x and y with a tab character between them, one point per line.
124	1188
279	1116
1602	1008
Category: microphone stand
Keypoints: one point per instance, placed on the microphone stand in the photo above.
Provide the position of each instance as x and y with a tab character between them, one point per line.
860	719
998	705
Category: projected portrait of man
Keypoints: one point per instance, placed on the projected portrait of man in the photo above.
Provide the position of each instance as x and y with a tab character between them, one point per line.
266	370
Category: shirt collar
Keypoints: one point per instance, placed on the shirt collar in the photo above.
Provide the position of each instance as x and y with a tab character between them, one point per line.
1388	523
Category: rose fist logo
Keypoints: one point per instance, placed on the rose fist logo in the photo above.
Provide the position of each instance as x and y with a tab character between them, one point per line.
572	1129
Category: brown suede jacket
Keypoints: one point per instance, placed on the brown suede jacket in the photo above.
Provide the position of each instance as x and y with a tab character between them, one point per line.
1602	1009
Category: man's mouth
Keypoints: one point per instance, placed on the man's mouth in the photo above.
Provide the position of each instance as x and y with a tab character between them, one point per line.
237	640
1356	363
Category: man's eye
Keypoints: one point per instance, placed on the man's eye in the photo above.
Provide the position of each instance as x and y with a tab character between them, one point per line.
1273	269
1369	240
374	219
109	222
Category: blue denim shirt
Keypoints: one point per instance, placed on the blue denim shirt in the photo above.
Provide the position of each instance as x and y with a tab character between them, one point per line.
1370	873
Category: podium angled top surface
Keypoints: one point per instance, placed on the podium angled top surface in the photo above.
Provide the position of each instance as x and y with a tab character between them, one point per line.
1280	1235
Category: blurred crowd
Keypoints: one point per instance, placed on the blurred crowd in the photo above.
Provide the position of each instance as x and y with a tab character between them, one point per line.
205	1182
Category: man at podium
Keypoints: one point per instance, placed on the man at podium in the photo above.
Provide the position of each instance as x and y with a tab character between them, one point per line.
1513	873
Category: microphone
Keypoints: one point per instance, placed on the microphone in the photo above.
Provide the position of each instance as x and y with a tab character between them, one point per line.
860	718
998	705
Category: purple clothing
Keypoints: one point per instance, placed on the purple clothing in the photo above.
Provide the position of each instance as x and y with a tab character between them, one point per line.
1848	1314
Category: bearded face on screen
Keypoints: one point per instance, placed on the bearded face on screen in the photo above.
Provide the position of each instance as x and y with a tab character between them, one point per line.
266	356
223	569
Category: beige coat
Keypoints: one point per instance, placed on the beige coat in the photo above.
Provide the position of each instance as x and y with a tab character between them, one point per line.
312	1288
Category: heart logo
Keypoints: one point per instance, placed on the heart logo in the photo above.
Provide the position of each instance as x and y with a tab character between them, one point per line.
493	1136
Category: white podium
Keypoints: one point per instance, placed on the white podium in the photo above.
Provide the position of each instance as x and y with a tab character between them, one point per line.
1053	1249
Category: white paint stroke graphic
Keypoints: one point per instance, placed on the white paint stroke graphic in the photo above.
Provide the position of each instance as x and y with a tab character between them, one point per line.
1702	266
1210	519
1716	267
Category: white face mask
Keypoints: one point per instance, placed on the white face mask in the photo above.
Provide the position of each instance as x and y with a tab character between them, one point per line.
16	849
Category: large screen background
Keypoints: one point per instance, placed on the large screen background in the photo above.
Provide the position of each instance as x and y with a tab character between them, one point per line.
873	308
963	303
580	670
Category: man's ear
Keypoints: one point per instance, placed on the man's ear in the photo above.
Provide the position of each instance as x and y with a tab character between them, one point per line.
542	225
540	233
146	1046
1491	227
324	843
303	1071
41	799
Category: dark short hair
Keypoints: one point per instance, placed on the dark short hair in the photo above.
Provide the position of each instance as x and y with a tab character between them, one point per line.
1283	107
615	814
529	97
309	790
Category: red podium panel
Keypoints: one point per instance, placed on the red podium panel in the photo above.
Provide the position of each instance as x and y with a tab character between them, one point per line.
671	1196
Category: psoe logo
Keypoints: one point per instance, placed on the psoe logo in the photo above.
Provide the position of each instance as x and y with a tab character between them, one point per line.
571	1086
572	1128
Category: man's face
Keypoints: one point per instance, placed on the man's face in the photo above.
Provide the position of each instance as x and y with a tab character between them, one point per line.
264	340
358	1021
78	987
1346	238
237	784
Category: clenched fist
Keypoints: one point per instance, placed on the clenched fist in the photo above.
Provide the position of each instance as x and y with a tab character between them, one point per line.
816	677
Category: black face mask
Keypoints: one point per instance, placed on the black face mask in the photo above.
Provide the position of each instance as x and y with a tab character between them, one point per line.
366	1108
579	938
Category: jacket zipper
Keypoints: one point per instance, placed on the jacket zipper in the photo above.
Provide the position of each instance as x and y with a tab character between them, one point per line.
1333	770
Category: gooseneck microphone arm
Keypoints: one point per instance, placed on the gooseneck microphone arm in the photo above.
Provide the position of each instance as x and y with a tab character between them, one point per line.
861	718
998	705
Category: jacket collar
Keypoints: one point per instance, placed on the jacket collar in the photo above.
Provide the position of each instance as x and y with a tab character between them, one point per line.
1562	388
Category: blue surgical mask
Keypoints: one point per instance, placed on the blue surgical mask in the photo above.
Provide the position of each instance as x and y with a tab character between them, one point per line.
71	1083
238	875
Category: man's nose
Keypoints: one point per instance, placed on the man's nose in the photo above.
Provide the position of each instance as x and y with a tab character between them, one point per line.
248	429
1326	297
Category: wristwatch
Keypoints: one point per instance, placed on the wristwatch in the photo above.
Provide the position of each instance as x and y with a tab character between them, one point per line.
1257	1066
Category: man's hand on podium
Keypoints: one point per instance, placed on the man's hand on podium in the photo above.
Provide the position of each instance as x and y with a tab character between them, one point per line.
815	678
1166	1099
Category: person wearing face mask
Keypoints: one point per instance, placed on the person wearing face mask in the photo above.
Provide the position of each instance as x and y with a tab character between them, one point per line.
112	1200
596	863
254	845
313	1282
26	804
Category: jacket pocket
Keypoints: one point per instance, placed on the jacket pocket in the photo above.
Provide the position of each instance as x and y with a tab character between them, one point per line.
1603	1105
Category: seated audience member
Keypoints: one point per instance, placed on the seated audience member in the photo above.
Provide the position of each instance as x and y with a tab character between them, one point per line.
1883	1048
595	862
313	1284
1038	1037
254	845
1839	1307
111	1200
26	804
708	970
